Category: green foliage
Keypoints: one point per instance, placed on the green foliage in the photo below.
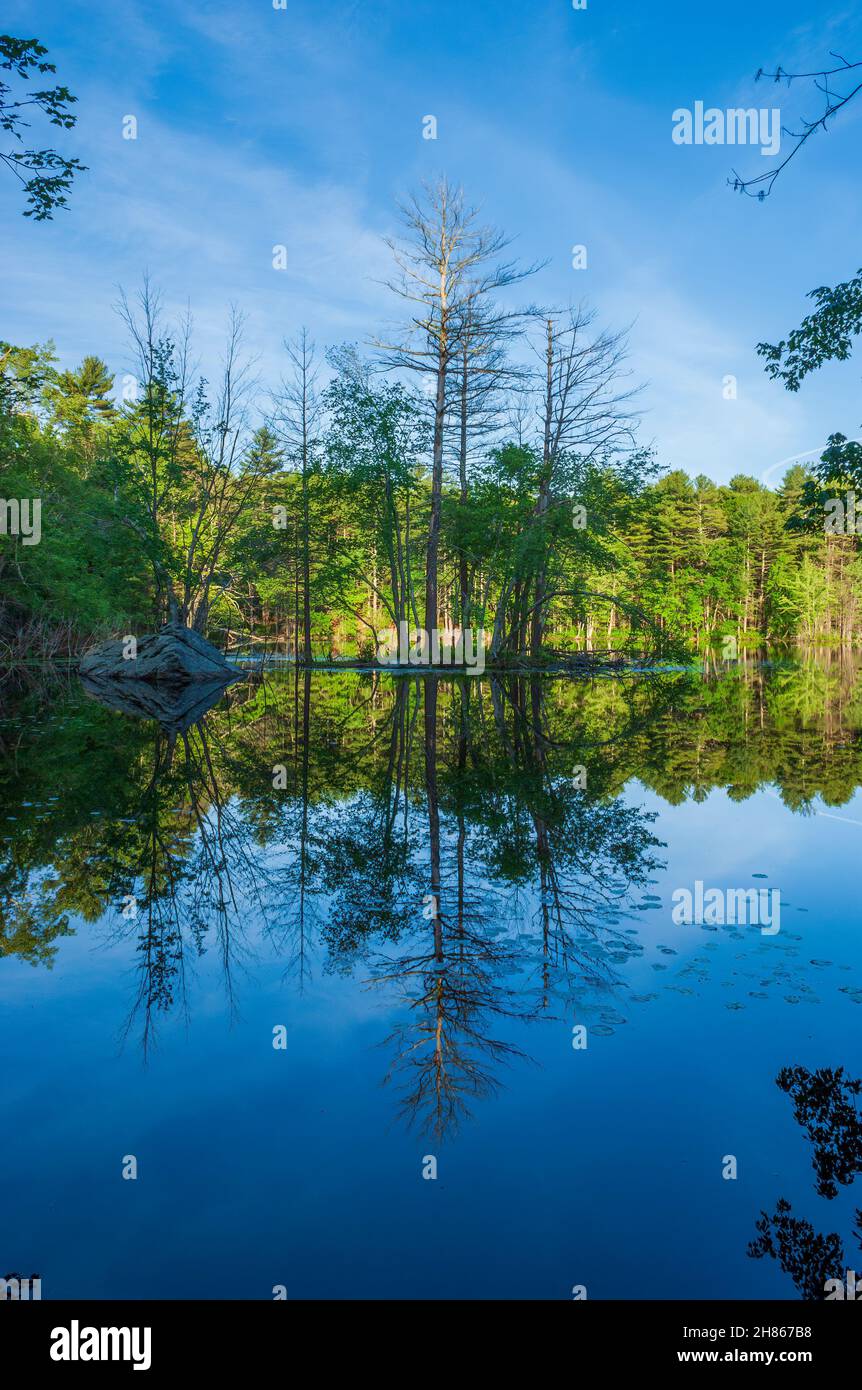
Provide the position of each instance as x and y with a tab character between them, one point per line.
84	575
45	175
824	336
139	493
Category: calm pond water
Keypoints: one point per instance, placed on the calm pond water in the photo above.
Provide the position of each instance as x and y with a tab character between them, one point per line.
453	903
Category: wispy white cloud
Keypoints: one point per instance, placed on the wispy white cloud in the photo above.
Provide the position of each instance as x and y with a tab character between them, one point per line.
203	222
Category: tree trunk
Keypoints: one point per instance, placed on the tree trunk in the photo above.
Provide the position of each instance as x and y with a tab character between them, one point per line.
433	547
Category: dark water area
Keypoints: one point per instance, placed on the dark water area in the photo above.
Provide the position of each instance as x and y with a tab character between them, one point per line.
379	985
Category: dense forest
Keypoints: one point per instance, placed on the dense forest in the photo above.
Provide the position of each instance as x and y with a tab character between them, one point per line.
479	470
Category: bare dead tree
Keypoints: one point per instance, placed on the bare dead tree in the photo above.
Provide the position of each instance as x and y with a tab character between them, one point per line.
584	408
297	419
481	386
447	265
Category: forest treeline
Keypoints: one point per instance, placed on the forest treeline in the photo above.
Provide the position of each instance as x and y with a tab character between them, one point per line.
479	469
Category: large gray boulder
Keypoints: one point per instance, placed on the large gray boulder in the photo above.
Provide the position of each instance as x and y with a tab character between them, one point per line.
173	656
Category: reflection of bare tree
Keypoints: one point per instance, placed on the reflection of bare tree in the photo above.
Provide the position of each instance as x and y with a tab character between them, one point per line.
824	1105
451	983
444	1056
468	967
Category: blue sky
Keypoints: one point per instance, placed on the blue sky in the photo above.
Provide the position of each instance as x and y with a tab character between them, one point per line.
303	127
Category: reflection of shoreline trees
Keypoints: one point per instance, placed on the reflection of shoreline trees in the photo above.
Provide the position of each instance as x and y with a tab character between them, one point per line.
399	792
825	1107
224	874
584	854
795	727
410	873
497	820
193	874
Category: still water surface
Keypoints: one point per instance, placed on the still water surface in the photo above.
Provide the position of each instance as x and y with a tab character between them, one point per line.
175	897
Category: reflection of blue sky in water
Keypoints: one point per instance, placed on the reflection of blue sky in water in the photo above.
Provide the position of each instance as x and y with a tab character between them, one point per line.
601	1167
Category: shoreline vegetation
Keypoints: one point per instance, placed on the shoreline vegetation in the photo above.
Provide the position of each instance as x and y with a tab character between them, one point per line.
708	663
478	469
